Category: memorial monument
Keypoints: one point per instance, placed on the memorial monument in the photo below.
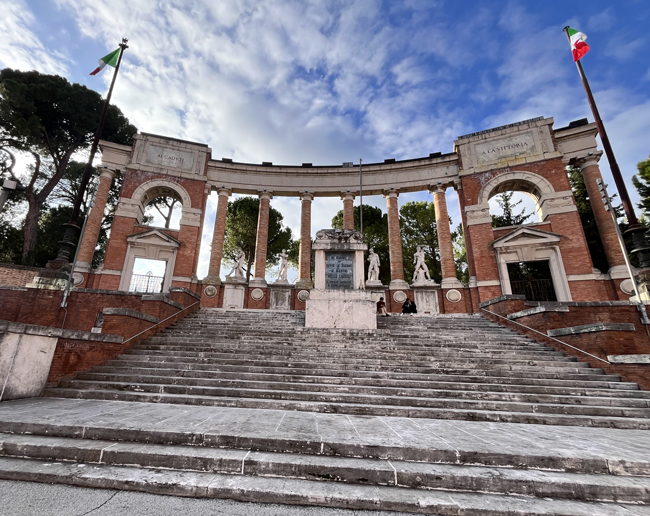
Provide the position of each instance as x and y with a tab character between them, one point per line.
339	298
235	284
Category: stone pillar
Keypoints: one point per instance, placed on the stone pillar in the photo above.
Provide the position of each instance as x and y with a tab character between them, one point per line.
348	210
445	246
394	243
591	172
262	241
218	237
304	273
94	224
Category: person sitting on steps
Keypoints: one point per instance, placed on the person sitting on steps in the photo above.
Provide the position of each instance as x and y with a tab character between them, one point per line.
381	307
409	307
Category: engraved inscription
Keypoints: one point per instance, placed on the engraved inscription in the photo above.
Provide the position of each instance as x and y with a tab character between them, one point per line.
169	158
339	273
521	144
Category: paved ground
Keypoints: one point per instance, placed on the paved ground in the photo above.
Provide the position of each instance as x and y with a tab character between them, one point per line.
31	499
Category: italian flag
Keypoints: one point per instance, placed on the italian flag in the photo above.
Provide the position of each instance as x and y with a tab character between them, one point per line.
578	45
110	60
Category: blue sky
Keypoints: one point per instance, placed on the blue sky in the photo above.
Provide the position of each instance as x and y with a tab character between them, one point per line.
292	81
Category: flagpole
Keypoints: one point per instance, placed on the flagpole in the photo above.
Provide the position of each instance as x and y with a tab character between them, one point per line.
637	230
67	245
360	197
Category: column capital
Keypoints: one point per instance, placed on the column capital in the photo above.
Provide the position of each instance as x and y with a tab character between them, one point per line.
265	195
306	197
434	189
108	173
226	192
391	194
347	196
587	161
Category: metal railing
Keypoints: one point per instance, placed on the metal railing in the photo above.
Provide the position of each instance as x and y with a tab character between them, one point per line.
534	290
159	323
147	283
547	336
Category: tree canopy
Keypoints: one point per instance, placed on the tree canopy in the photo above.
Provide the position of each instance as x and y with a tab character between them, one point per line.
508	216
51	120
241	231
641	182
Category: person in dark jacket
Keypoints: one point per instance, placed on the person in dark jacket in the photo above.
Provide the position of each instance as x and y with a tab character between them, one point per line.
409	307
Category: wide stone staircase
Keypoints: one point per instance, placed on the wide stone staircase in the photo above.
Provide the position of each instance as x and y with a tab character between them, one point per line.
434	415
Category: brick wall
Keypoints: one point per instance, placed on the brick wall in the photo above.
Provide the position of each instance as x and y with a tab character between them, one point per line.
17	275
72	355
601	343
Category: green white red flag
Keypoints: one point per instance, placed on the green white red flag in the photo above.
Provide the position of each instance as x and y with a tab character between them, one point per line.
578	45
110	60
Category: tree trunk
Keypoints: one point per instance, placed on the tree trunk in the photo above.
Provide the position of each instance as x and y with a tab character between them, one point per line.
30	231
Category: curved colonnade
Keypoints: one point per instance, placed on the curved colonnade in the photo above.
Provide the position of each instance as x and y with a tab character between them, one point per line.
528	156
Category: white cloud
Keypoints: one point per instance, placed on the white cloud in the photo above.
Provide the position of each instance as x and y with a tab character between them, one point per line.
20	48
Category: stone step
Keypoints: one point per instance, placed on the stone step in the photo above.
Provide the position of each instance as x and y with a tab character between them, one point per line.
156	394
368	359
302	492
412	475
570	449
421	366
341	398
387	349
585	374
475	383
563	398
279	343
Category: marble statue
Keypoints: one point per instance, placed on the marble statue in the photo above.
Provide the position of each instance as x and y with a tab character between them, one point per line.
282	275
421	271
239	268
373	267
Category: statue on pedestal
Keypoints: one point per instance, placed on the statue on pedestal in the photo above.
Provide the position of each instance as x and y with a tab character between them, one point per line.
239	268
282	274
373	267
421	272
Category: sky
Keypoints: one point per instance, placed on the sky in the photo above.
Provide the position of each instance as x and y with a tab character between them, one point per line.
293	81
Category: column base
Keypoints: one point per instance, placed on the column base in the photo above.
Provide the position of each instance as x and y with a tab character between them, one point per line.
618	272
211	280
257	283
305	284
451	283
398	285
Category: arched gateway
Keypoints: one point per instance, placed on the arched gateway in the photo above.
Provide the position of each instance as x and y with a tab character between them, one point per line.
528	156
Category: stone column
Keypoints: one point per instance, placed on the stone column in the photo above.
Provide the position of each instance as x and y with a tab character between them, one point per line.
262	241
348	210
395	243
218	237
591	172
94	224
304	274
445	246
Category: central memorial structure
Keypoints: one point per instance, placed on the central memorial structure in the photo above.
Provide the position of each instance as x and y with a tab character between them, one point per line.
339	298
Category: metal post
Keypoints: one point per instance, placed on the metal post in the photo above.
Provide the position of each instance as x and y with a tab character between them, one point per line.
608	206
71	228
360	197
68	285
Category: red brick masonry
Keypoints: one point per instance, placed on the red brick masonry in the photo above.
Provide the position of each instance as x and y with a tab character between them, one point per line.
600	343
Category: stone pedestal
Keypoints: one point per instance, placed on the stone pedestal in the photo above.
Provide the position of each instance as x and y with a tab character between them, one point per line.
425	295
281	295
234	292
377	289
347	309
